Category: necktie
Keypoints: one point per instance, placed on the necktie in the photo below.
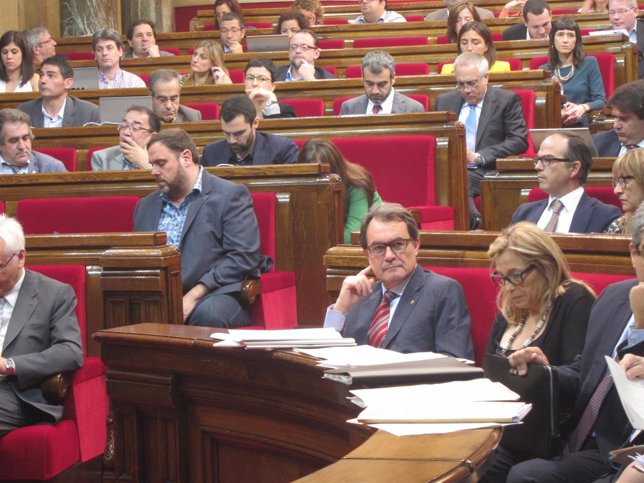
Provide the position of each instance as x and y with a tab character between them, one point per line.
470	128
587	420
15	169
380	323
556	207
631	146
377	109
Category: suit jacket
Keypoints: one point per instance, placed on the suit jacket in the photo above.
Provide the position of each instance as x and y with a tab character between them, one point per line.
42	338
401	104
607	143
591	215
501	129
43	163
108	159
578	381
516	32
268	149
431	315
220	239
320	73
286	111
442	14
77	112
187	114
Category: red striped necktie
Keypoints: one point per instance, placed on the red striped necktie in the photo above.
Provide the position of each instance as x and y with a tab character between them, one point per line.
380	323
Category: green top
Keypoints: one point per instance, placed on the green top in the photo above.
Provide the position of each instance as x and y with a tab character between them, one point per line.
357	207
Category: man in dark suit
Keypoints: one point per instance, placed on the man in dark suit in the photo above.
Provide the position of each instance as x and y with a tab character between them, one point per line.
260	87
55	107
493	120
425	311
243	144
623	16
537	22
212	223
380	97
615	328
165	90
40	337
302	55
627	107
562	167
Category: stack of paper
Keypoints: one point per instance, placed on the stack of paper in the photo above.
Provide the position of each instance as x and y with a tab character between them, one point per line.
280	339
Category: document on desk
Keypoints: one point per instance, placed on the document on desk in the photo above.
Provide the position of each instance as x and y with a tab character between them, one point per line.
631	393
280	339
364	356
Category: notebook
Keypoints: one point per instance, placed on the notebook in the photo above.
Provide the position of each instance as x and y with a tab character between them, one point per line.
267	43
112	109
85	78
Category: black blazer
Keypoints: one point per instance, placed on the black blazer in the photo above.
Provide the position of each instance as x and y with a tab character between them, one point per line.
607	143
516	32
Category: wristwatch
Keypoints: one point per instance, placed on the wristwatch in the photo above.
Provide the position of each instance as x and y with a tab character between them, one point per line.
479	160
10	367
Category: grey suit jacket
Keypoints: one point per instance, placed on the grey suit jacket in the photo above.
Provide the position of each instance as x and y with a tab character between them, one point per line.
442	14
401	104
501	130
432	315
43	163
220	239
42	338
187	114
77	112
108	159
320	73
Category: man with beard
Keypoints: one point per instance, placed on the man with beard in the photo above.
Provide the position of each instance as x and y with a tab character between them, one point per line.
211	222
243	144
165	90
380	97
302	54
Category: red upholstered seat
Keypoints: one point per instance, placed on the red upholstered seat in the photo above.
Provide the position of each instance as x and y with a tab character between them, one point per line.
77	215
260	25
355	71
306	107
82	55
331	69
606	63
605	194
528	100
209	110
335	21
41	452
238	76
91	151
515	64
410	181
326	44
66	155
338	101
388	42
170	50
599	281
415	18
145	78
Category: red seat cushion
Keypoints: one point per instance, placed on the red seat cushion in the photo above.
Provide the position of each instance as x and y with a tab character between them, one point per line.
209	110
67	155
306	107
388	42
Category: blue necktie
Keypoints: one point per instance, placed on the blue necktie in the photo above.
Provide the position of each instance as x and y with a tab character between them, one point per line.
470	129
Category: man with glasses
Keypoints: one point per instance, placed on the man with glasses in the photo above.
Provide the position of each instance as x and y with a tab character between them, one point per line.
597	424
493	120
622	15
165	89
56	108
39	334
260	87
302	54
375	11
41	43
232	32
408	309
136	129
562	166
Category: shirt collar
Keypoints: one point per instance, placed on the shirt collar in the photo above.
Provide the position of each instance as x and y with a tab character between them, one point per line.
387	104
23	169
59	115
569	199
12	296
196	187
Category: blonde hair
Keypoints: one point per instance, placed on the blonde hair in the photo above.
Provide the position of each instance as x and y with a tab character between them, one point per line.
631	163
215	54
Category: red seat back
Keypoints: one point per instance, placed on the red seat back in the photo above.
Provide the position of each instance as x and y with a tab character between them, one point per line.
326	44
209	110
145	78
91	151
83	55
355	71
528	100
388	42
238	76
264	205
66	155
170	50
335	21
306	107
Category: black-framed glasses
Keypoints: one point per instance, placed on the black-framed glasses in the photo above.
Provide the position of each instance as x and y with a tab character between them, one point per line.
515	278
302	47
259	78
622	181
7	262
399	245
547	160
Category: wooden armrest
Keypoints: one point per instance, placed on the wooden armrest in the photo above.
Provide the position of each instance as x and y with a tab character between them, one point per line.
250	290
54	388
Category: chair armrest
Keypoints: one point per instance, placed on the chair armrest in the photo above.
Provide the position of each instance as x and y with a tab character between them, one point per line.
55	387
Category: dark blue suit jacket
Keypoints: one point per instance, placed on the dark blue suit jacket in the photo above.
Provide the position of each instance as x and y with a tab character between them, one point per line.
607	143
591	215
268	149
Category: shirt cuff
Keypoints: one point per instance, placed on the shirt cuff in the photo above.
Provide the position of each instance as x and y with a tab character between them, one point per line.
334	319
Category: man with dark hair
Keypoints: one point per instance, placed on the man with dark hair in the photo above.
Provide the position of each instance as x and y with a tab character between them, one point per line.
212	223
41	44
108	49
537	22
424	311
562	166
375	11
55	107
627	107
243	144
142	38
380	97
232	32
16	156
302	53
443	13
137	127
165	89
260	87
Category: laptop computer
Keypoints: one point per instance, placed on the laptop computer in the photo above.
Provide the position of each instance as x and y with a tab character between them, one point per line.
267	43
538	135
85	78
112	109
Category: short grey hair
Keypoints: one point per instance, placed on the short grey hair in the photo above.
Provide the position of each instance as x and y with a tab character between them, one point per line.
388	212
637	225
13	116
11	234
467	59
378	60
107	34
163	75
32	36
631	3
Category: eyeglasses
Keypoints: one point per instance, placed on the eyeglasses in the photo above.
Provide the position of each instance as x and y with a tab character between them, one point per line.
7	262
260	79
620	12
399	245
302	47
622	181
471	84
233	30
49	40
134	128
514	279
164	100
547	160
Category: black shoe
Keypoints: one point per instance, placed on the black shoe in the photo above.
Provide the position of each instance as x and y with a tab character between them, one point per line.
475	222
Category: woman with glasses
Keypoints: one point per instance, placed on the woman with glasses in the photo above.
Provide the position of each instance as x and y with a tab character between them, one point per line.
207	65
16	69
476	37
360	191
578	75
628	180
459	15
260	87
290	23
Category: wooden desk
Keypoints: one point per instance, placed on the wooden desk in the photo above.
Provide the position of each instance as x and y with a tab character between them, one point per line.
187	412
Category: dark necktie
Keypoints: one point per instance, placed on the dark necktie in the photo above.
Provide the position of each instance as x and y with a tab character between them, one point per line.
556	206
377	109
380	323
15	169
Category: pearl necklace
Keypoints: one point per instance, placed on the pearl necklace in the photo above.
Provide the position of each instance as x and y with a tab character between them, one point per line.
564	78
517	331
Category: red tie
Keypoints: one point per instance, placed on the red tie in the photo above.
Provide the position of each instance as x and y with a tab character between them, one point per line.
377	109
631	146
380	323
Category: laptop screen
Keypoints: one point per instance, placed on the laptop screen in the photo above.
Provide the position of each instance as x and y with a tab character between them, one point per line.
112	109
85	78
